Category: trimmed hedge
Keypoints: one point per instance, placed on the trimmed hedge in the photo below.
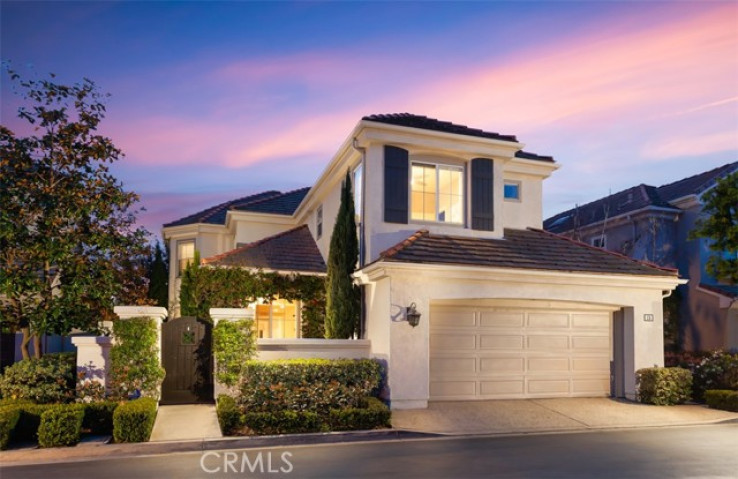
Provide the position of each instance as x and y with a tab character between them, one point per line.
722	399
61	425
664	386
717	371
374	414
316	385
50	379
99	416
29	420
283	422
134	420
8	419
229	415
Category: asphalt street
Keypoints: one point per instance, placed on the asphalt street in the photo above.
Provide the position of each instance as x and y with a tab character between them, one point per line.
673	452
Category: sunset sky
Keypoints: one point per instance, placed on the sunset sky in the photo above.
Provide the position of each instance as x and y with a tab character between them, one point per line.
215	100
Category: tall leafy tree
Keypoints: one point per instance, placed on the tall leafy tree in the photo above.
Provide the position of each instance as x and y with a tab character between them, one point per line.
158	275
69	246
343	306
720	226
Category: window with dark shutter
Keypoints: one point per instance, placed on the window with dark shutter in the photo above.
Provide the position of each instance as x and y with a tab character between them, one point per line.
395	184
482	201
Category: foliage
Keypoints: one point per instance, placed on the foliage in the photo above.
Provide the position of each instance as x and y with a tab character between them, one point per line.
672	305
282	422
233	345
373	414
685	359
720	226
722	399
134	420
215	287
69	246
61	425
99	416
343	307
89	390
8	419
664	386
229	415
29	420
316	385
50	379
717	371
157	272
135	358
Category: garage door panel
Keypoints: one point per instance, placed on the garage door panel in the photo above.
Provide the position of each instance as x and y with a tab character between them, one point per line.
601	364
445	317
548	320
453	342
489	341
498	319
536	365
492	388
591	342
502	365
591	321
548	343
461	366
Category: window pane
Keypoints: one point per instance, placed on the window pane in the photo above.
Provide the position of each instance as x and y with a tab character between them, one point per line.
512	191
185	254
422	196
429	207
416	210
358	172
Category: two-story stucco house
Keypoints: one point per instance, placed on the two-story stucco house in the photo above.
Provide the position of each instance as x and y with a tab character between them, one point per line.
653	224
450	223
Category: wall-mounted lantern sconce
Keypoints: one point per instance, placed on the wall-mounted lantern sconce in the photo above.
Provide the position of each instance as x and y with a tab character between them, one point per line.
413	316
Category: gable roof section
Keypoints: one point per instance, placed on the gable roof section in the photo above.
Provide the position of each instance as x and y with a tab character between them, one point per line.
730	292
273	202
292	250
626	201
425	123
696	184
529	249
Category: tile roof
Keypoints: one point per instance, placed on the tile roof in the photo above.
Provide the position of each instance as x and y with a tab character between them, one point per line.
696	184
425	123
632	199
533	156
520	249
292	250
274	202
725	290
635	198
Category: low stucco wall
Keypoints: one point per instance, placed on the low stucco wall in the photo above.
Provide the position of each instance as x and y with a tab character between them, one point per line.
268	349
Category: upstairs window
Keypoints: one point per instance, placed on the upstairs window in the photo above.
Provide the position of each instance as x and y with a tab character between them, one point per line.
599	241
319	221
437	193
512	190
185	254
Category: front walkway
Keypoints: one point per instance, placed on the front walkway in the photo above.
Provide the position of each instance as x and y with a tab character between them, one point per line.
544	415
186	422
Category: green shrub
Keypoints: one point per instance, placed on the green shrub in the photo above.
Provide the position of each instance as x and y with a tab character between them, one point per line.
717	371
229	415
722	399
8	419
99	416
134	420
316	385
29	420
135	358
233	344
61	425
282	422
50	379
664	386
374	414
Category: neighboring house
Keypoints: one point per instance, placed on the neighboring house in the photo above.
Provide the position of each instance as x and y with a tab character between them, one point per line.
450	222
653	224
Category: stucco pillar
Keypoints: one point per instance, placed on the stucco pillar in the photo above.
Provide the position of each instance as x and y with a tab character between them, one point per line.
93	358
225	314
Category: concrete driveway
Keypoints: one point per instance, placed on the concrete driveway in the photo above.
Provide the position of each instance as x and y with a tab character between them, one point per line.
541	415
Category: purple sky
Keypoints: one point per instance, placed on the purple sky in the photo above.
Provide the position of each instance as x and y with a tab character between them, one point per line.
215	100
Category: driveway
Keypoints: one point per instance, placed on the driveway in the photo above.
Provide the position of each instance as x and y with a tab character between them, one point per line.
541	415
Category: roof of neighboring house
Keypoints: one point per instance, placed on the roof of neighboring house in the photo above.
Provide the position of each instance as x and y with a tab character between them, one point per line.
696	184
722	289
635	198
292	250
273	202
530	249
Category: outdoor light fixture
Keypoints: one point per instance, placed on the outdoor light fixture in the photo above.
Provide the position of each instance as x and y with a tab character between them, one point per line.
413	316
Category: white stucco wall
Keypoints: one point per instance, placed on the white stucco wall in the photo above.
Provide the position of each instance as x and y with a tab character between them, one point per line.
248	229
528	211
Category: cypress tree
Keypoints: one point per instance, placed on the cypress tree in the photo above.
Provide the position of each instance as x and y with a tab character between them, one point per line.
342	296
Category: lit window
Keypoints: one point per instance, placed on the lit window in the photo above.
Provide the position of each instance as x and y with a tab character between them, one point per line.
437	193
512	190
319	221
277	319
358	172
599	241
185	254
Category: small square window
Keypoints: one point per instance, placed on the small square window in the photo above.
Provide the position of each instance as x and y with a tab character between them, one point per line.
512	190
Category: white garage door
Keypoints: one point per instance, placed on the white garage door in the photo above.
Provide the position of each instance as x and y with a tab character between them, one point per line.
502	352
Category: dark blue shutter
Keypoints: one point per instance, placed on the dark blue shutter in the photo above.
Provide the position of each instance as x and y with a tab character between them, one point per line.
482	201
396	181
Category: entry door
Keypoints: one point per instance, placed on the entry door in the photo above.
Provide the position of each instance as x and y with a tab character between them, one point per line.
187	360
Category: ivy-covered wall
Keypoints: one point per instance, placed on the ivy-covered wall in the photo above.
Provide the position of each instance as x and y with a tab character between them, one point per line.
135	368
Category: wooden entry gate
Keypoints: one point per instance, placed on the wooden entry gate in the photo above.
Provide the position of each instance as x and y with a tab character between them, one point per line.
186	348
